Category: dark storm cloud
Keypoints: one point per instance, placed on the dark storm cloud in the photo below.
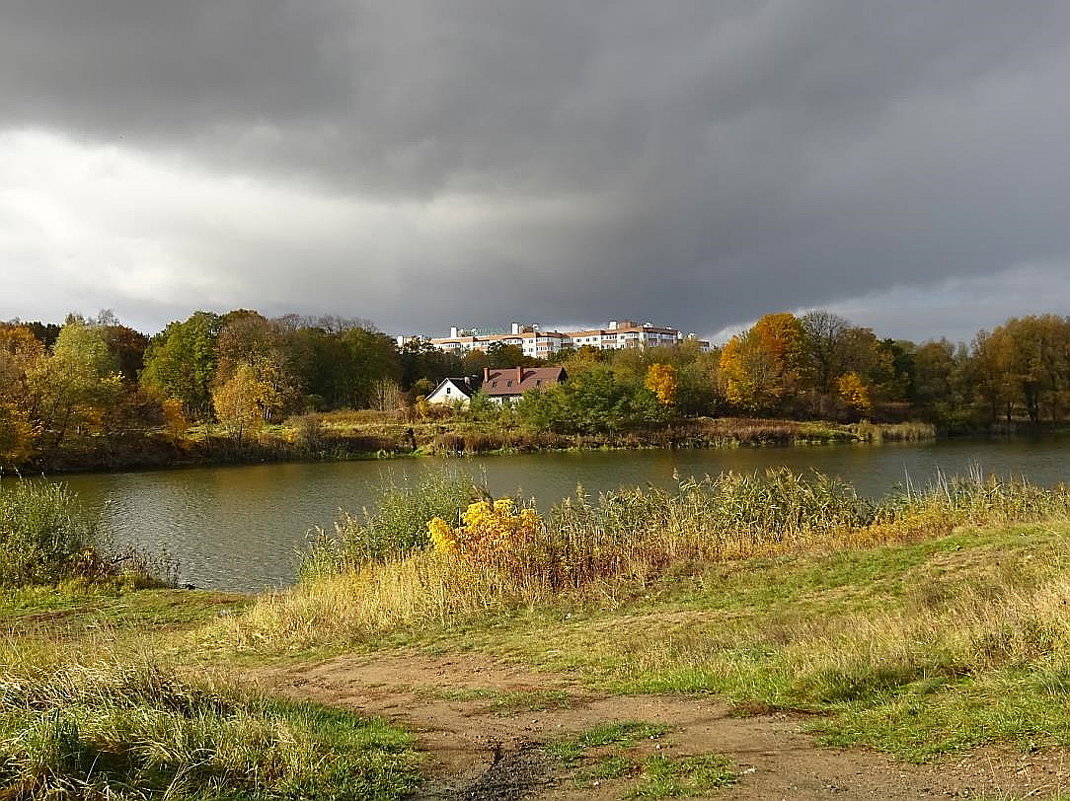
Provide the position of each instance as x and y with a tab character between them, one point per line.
691	162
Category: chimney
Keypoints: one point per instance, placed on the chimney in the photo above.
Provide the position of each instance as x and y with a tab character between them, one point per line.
519	374
486	374
612	325
453	332
516	328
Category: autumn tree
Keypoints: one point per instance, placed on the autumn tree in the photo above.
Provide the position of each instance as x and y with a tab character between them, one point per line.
827	350
762	367
16	435
661	379
127	348
79	385
20	356
244	402
22	359
1025	363
854	391
247	338
834	349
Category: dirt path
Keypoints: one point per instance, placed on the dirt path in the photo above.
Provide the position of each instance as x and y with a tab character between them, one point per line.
484	724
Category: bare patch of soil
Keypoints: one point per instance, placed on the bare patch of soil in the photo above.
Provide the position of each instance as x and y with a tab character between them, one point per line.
484	725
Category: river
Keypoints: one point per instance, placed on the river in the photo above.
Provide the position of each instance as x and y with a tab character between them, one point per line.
238	528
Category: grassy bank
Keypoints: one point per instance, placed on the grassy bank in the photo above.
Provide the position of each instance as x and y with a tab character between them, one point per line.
927	623
98	699
607	549
371	432
931	622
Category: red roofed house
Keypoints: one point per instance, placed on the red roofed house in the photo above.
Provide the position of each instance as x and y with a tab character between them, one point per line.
509	383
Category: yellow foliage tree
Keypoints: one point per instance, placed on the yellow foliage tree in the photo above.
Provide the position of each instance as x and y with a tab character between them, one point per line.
16	436
244	402
661	379
854	391
174	418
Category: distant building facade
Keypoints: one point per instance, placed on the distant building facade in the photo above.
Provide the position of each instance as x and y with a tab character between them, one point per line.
538	343
452	391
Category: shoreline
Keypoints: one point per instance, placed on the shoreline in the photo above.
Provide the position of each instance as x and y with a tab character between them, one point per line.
387	440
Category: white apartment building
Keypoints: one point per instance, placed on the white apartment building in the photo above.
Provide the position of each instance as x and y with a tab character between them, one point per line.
535	342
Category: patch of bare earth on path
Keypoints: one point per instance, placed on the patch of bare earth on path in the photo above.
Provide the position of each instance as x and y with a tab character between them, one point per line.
484	725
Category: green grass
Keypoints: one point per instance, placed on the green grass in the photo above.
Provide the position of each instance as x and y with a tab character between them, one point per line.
611	751
667	777
505	703
73	611
918	649
128	730
624	734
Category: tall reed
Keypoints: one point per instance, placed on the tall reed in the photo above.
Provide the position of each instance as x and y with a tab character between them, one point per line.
598	550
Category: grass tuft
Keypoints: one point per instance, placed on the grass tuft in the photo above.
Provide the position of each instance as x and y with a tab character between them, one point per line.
133	730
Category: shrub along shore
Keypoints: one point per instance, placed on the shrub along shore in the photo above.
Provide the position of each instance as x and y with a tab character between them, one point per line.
342	436
930	621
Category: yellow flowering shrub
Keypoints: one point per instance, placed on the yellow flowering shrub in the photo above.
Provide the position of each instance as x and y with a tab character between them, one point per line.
443	536
488	532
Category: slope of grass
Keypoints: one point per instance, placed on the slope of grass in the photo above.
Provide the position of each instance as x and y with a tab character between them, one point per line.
918	649
928	623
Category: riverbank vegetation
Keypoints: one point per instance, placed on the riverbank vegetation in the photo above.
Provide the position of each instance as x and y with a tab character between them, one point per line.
501	555
929	622
46	538
94	393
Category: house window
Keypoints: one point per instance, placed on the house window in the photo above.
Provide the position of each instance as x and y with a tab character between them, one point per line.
508	383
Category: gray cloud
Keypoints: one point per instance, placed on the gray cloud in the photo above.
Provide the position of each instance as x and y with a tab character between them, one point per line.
694	163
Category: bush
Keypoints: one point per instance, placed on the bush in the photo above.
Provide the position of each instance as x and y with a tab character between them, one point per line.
492	535
45	536
308	433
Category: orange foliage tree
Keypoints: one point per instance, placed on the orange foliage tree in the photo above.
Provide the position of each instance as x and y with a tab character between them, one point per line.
762	366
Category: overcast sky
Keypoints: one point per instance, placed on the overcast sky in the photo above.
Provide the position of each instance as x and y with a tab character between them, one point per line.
422	164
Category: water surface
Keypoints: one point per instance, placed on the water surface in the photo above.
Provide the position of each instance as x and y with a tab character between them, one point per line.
238	528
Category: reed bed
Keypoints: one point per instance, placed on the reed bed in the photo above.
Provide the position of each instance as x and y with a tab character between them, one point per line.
602	551
894	432
46	537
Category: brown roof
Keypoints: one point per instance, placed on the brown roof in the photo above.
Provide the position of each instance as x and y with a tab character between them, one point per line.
518	380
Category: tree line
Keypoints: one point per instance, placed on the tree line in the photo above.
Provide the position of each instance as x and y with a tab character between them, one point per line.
62	387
